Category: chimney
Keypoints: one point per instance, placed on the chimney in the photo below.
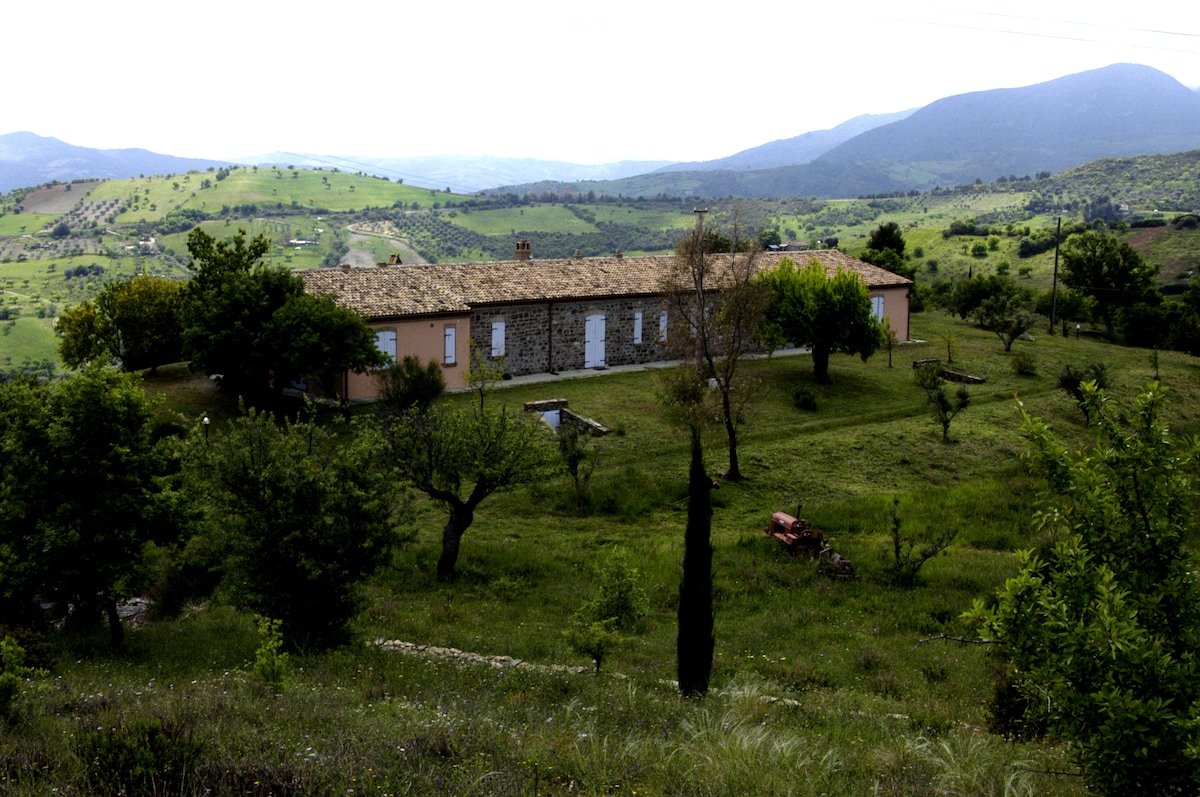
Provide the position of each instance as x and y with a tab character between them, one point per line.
618	255
578	255
345	266
523	251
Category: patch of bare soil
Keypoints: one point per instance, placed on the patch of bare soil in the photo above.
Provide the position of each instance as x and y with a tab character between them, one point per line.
54	198
358	256
382	229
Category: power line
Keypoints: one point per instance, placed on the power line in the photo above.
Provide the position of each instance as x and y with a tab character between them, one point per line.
1089	24
1059	36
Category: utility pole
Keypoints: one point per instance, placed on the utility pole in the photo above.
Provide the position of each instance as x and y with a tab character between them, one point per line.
1054	289
698	273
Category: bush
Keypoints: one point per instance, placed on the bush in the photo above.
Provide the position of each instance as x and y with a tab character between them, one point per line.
270	662
1072	379
12	673
619	605
805	399
1023	364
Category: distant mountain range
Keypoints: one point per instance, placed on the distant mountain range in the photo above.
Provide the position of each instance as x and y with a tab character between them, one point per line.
464	174
27	159
800	149
1120	110
1116	111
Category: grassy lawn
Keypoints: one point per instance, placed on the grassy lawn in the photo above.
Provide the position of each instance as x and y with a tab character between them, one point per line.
26	339
24	223
819	686
655	219
553	218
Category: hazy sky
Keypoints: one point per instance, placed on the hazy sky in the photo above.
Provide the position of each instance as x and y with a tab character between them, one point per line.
584	82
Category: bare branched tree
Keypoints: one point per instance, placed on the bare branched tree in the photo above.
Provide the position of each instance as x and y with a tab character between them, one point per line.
717	308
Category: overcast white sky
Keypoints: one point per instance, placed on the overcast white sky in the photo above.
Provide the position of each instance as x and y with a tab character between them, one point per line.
582	82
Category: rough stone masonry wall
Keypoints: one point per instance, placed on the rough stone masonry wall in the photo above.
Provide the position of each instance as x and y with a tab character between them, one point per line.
535	333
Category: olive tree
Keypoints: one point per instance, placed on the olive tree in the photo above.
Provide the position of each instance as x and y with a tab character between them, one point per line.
303	513
459	456
79	492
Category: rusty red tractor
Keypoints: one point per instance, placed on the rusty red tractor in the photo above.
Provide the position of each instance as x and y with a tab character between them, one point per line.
798	539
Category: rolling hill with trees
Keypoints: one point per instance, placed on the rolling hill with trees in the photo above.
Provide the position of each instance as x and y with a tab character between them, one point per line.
27	159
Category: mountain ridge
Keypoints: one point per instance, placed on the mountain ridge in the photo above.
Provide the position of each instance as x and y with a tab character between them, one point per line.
1116	111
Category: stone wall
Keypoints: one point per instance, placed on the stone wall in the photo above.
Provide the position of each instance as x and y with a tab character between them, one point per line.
550	337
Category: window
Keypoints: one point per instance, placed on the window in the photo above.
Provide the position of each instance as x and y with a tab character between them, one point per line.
637	326
877	307
385	341
497	338
451	336
662	326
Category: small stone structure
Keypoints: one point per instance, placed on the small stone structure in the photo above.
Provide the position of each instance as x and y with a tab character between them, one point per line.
555	413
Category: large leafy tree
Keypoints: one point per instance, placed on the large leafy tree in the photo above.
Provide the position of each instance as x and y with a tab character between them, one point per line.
303	512
79	496
885	248
887	236
460	456
830	313
1108	271
1102	627
138	320
1006	310
253	326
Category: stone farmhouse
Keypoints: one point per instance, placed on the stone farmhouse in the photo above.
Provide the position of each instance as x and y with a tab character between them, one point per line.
543	316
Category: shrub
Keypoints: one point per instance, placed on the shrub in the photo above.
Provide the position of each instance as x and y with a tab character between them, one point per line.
909	552
1024	364
805	399
270	661
619	605
12	673
1072	379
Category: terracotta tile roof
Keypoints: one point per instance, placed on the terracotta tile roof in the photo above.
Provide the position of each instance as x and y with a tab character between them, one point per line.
397	291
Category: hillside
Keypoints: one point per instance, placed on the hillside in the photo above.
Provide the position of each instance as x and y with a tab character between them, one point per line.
1118	111
792	151
462	173
59	244
819	685
27	159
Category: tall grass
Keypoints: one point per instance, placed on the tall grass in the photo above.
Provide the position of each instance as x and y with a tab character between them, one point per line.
819	687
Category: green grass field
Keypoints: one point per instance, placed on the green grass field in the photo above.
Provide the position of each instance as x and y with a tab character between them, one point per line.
25	223
26	340
819	687
553	218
